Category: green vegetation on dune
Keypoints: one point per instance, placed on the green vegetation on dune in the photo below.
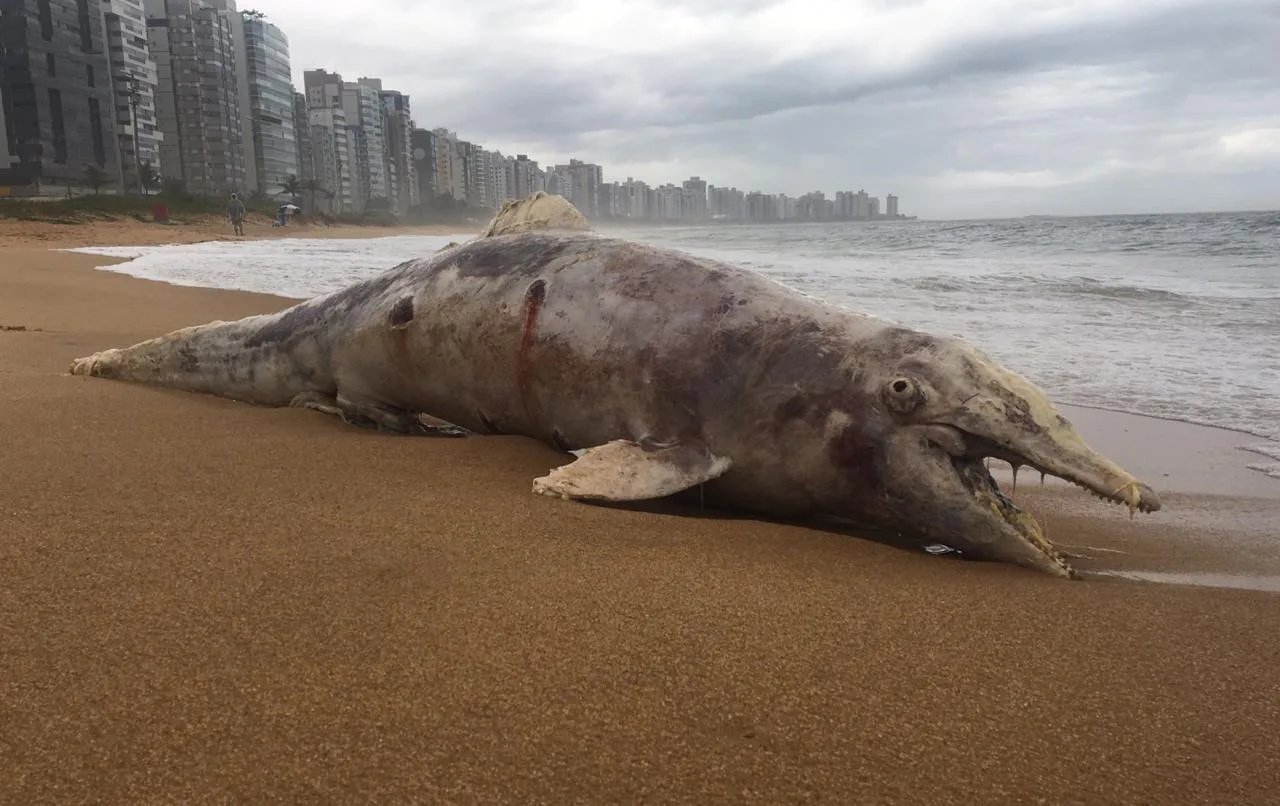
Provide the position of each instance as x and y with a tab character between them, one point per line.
110	207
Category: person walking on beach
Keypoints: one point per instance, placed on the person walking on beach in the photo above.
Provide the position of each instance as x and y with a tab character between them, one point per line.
235	212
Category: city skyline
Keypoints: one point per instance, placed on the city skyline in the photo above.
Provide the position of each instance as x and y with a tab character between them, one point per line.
964	109
201	97
255	119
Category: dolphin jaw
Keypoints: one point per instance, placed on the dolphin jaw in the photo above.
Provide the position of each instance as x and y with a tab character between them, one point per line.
1113	486
987	494
969	452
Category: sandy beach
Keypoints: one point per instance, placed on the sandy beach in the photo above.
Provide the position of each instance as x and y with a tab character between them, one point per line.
203	601
193	229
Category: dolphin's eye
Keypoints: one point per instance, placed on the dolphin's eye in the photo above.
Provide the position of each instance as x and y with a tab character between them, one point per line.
903	395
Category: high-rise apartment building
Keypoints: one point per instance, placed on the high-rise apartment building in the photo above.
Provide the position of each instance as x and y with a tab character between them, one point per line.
198	100
425	154
891	206
726	203
56	86
475	168
333	156
450	173
399	150
844	204
362	104
302	131
271	114
527	177
579	182
695	191
501	171
6	158
637	198
861	205
322	88
133	85
559	182
333	147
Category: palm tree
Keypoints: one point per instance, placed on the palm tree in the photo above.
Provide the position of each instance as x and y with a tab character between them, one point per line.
313	187
134	97
148	178
290	186
94	177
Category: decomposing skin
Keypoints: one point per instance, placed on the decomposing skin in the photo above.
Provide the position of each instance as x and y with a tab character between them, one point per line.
664	372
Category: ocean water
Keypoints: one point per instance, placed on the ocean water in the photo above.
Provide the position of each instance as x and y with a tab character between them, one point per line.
1174	316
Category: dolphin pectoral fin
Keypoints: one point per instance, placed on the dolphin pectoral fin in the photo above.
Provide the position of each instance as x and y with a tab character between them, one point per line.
381	418
317	401
623	470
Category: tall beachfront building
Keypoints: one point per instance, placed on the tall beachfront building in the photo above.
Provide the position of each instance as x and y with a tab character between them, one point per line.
56	86
134	79
198	102
269	80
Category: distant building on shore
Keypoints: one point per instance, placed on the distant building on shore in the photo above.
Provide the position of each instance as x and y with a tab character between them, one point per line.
270	105
59	122
134	79
6	159
396	108
198	102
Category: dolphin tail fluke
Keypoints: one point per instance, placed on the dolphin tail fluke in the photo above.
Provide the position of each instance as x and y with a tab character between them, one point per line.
214	358
627	471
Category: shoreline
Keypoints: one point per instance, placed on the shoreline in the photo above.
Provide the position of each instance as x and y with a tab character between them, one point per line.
205	600
1240	432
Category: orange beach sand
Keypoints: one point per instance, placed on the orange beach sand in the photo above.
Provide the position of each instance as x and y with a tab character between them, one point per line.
203	601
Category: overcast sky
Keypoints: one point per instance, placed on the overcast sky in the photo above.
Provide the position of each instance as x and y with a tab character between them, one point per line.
963	108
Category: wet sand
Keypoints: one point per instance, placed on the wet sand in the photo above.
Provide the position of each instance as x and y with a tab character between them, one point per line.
202	601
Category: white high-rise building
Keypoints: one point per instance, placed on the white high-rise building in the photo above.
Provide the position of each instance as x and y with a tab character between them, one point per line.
269	79
501	179
451	176
362	102
133	88
331	158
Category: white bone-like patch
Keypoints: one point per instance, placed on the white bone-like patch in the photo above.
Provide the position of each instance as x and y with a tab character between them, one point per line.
538	212
837	421
89	365
623	471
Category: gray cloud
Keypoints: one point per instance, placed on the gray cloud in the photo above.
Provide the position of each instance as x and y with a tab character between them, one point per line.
966	107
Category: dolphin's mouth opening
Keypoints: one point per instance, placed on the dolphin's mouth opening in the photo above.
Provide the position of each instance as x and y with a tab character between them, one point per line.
974	475
1137	497
969	454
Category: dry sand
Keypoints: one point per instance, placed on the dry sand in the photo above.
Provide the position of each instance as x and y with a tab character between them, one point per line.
202	601
193	229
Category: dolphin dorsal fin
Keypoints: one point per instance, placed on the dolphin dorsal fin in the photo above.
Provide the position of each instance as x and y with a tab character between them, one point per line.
537	212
